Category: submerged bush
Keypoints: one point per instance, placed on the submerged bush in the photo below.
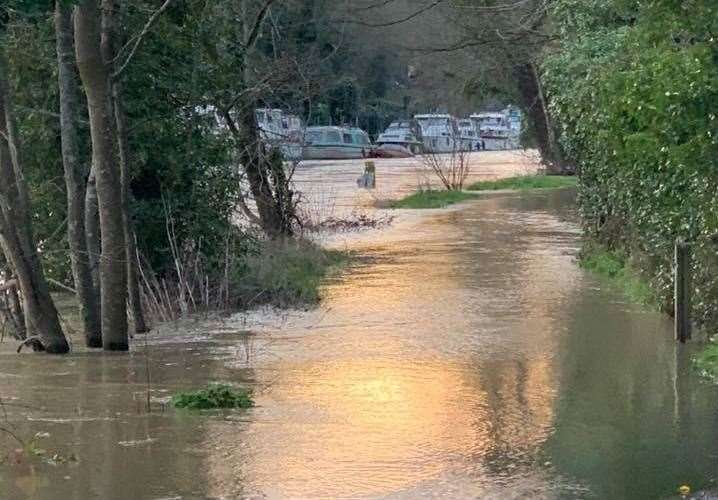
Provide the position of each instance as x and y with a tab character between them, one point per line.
707	362
214	396
284	273
621	273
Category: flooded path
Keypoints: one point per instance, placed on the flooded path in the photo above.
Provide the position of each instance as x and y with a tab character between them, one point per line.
463	356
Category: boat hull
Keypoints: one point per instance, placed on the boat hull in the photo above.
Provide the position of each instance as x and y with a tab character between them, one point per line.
329	152
397	150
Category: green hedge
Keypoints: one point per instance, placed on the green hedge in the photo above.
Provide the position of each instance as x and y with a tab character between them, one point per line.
633	90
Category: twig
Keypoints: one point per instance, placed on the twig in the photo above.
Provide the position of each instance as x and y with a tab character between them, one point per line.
138	40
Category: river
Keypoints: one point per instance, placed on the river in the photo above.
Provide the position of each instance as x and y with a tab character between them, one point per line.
464	355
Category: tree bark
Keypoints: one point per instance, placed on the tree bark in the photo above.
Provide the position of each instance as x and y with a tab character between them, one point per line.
111	37
16	238
534	102
92	230
10	302
95	75
255	166
133	285
75	177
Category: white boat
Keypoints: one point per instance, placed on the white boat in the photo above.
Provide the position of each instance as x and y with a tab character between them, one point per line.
499	130
439	132
468	135
336	143
281	130
401	139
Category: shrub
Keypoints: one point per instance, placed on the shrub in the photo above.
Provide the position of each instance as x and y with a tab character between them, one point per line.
214	396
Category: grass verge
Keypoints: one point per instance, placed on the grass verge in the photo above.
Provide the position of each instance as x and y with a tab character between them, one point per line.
285	273
706	362
618	270
525	182
432	199
214	396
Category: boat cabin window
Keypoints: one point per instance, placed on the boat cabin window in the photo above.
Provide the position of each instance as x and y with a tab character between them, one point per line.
361	139
347	138
313	136
333	136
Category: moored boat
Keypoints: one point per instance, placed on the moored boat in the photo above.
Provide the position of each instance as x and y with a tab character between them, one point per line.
336	143
402	139
439	132
281	130
468	135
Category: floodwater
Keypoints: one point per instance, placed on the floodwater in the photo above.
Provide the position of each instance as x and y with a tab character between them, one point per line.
463	356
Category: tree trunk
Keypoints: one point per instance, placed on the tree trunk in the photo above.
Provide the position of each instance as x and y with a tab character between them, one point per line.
534	102
255	166
133	285
40	315
75	177
10	302
92	230
95	75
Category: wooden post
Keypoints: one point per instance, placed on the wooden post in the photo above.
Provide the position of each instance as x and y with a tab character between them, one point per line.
368	178
682	291
370	171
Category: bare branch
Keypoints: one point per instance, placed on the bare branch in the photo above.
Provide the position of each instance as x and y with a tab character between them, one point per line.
402	20
139	38
257	27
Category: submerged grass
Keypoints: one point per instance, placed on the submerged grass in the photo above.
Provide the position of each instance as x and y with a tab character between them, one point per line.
618	270
706	362
525	182
432	199
214	396
286	273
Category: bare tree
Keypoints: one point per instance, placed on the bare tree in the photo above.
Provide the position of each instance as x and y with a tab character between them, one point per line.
450	168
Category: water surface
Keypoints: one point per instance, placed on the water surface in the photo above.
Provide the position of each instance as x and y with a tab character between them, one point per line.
467	357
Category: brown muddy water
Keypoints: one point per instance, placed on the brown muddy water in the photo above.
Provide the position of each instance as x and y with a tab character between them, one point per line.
467	357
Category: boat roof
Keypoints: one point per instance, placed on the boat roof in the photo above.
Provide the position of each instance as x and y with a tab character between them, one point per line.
335	128
419	117
488	115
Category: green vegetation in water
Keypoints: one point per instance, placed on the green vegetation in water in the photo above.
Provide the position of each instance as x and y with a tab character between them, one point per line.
619	271
287	273
707	362
432	199
525	182
214	396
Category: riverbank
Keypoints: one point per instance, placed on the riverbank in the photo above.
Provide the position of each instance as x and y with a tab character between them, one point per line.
525	183
618	271
441	198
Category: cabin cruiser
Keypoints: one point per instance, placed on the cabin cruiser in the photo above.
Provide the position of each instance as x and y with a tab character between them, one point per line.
336	143
281	130
401	139
439	132
468	135
499	130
